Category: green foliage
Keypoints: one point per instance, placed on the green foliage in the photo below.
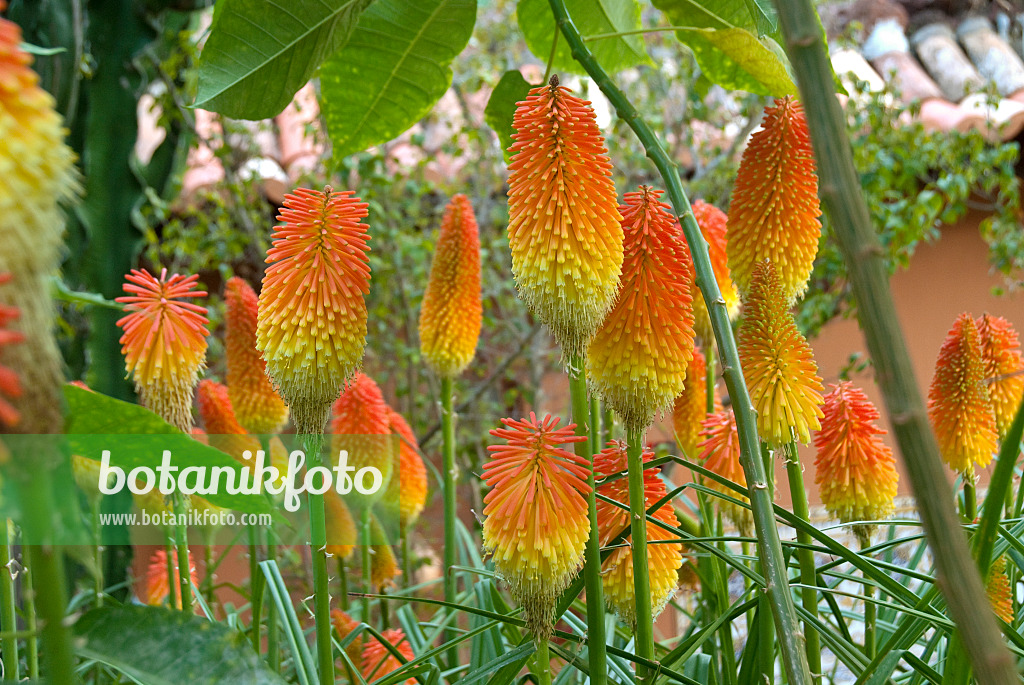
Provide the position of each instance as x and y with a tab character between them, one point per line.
393	70
260	53
501	106
728	42
914	182
593	18
159	646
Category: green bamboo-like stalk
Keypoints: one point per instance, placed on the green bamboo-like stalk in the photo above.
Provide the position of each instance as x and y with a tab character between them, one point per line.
869	278
97	535
31	626
597	649
365	535
644	629
8	615
45	563
595	425
256	588
870	621
181	540
970	498
769	545
169	555
451	510
805	556
542	659
321	592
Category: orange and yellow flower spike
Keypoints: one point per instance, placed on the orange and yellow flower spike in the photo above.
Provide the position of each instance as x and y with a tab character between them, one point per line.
312	316
535	516
691	406
341	527
222	428
345	624
10	384
564	223
452	311
409	491
164	342
383	564
156	590
778	363
774	209
637	360
720	452
361	426
998	590
258	407
1004	368
378	661
855	471
663	558
713	222
959	404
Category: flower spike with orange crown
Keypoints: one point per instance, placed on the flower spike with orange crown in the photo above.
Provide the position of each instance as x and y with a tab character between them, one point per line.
10	385
638	359
720	453
258	407
164	342
1000	596
959	404
778	364
564	224
156	589
774	209
407	492
378	661
360	426
1004	368
222	428
312	313
452	310
855	471
535	516
690	407
663	558
713	226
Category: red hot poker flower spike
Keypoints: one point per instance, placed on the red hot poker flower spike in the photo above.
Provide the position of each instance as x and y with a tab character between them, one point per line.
712	222
1004	368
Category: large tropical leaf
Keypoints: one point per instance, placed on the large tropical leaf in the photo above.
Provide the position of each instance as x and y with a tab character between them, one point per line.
393	69
501	107
260	52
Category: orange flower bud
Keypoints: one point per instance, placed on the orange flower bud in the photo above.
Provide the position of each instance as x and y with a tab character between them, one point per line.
222	428
959	404
691	406
409	490
638	359
778	364
341	527
998	590
564	223
312	315
535	516
1004	368
452	311
712	222
362	428
721	455
774	209
164	342
378	660
663	558
259	409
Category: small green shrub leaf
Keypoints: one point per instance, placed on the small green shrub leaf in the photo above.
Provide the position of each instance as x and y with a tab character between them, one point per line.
501	106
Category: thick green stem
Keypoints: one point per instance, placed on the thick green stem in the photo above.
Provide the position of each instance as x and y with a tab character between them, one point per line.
403	544
181	540
595	425
31	626
366	538
805	555
870	621
868	275
257	584
342	584
172	582
597	650
970	498
8	615
542	659
644	629
451	510
318	543
97	536
273	645
998	487
769	545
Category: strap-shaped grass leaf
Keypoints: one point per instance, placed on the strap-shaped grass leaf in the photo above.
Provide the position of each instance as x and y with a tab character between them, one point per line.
260	52
159	646
393	69
592	18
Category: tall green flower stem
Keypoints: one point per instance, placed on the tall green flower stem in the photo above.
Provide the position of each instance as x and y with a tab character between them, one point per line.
318	542
597	650
366	538
868	274
181	541
805	557
769	545
595	425
97	536
45	563
8	615
870	621
542	659
644	630
451	511
970	498
256	580
31	625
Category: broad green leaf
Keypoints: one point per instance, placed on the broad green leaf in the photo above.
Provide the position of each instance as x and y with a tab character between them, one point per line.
501	107
737	59
136	436
393	70
592	18
702	14
260	52
765	18
158	646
